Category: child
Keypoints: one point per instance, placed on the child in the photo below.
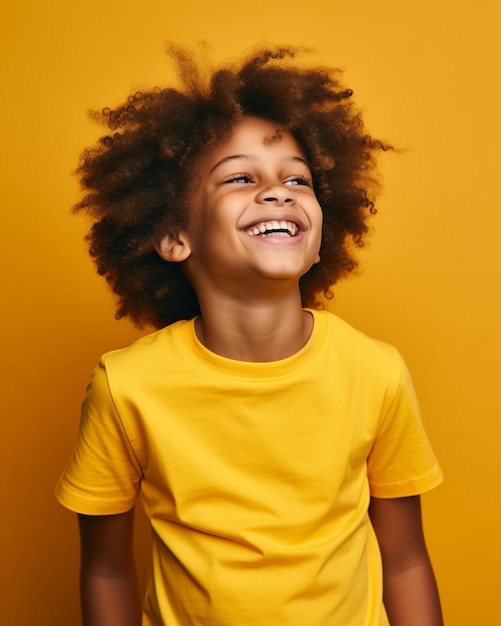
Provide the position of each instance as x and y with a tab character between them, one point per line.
279	452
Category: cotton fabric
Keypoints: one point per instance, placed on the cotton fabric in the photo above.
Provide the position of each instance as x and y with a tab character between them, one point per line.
256	477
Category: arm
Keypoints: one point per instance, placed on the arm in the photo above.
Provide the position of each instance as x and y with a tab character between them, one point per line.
409	589
109	593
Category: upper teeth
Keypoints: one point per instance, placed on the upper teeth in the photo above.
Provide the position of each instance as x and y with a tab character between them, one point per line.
290	228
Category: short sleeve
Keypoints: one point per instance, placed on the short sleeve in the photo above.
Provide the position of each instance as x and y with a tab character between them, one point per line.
103	475
401	462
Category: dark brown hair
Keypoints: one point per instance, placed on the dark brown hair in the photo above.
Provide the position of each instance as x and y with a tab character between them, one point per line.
136	180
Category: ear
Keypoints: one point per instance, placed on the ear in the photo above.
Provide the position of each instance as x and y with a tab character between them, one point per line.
174	248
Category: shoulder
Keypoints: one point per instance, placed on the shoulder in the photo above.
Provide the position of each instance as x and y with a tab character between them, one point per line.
354	346
360	361
151	348
151	358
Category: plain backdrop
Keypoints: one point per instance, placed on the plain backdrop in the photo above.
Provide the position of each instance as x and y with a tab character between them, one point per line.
427	77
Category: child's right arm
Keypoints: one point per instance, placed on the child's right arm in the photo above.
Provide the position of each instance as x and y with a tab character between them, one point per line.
108	587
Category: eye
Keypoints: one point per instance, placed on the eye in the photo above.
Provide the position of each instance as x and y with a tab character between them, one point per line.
240	178
299	180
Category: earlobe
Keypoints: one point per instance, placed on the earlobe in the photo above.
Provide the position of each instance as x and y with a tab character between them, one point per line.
174	248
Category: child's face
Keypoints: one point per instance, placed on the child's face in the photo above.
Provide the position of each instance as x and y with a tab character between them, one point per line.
254	214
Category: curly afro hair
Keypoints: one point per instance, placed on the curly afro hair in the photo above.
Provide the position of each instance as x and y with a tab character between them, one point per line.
136	179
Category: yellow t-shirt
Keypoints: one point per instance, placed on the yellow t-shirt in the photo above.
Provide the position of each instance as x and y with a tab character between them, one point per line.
256	477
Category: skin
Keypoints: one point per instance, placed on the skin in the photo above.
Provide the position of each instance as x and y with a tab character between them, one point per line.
108	588
248	289
410	592
247	285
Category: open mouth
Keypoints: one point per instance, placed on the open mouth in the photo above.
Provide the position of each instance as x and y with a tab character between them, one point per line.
280	228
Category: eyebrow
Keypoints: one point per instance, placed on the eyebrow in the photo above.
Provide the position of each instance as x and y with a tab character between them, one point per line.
250	157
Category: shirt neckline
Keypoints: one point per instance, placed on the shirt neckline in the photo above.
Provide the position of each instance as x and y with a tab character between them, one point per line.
207	359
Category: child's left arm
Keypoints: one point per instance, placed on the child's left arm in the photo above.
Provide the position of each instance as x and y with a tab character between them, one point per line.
409	589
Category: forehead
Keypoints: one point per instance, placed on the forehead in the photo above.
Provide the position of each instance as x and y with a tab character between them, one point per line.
257	137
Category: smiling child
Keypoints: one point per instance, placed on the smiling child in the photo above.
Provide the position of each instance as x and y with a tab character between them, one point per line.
280	453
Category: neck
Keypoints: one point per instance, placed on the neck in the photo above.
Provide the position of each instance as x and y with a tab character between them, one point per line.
257	331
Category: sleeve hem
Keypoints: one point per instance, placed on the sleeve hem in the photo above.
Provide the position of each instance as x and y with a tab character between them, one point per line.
410	487
78	504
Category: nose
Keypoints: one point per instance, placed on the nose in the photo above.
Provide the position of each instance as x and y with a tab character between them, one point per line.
276	194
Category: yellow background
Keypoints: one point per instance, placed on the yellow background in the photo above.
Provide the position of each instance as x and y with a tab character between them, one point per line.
427	74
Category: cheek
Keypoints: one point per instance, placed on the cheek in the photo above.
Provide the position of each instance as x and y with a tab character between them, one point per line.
320	232
319	220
